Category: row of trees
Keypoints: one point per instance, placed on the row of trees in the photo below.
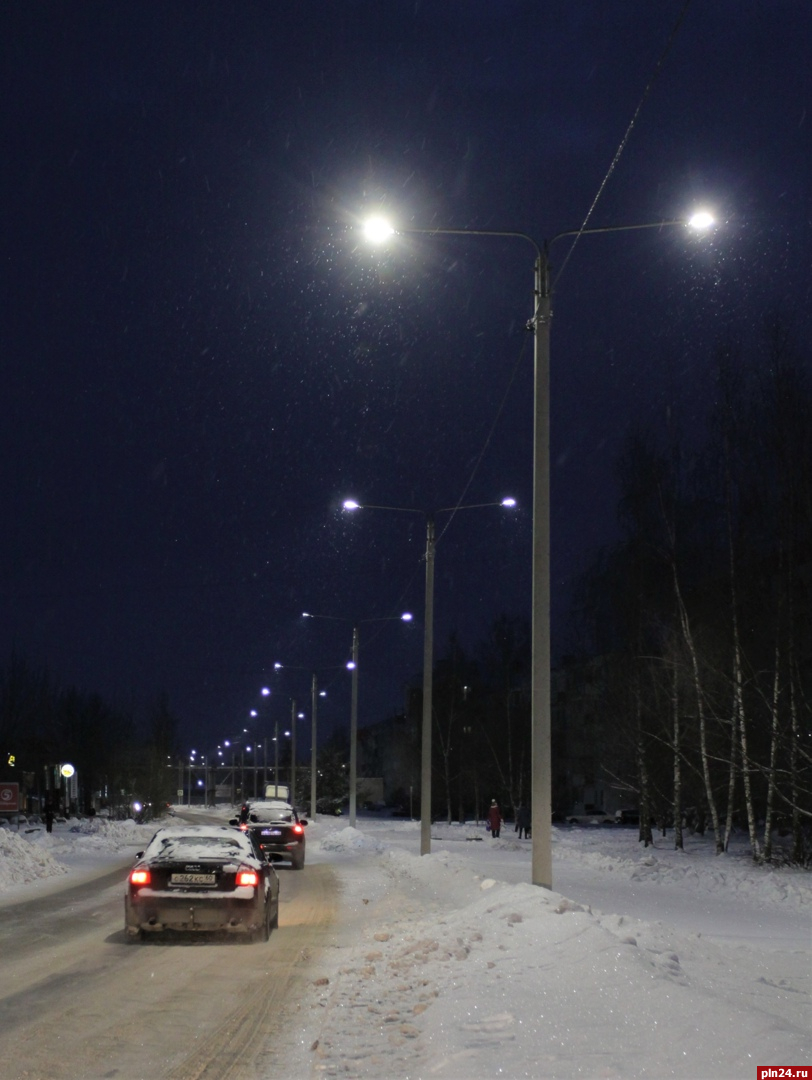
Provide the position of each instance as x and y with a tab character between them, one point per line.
702	614
43	725
690	694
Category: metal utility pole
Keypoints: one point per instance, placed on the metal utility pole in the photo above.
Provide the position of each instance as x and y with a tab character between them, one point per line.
314	696
428	674
293	753
354	728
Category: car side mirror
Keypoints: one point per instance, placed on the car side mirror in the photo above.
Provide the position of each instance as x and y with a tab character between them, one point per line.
233	821
303	821
139	854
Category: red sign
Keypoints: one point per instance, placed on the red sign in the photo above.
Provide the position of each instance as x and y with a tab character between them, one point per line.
9	797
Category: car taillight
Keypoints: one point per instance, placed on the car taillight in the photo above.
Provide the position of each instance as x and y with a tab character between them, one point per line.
298	829
244	826
247	877
139	877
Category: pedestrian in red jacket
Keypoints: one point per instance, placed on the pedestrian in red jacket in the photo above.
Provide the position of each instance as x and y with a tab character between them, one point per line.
495	818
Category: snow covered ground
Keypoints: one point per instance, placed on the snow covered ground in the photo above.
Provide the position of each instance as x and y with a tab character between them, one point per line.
642	963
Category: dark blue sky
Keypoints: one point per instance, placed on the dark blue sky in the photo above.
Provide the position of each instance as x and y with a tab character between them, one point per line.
201	358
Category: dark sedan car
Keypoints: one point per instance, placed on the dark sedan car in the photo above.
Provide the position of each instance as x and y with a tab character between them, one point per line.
278	830
202	877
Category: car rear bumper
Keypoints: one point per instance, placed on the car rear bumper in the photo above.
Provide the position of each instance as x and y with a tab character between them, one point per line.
193	913
291	851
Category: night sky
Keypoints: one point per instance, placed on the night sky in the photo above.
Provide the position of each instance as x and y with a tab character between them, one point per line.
201	357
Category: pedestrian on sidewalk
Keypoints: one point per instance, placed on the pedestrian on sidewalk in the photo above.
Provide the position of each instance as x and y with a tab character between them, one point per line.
495	818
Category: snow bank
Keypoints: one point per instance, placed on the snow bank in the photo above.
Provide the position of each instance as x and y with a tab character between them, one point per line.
36	854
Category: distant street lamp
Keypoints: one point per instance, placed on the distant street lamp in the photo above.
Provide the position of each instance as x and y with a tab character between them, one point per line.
378	230
428	649
353	667
315	694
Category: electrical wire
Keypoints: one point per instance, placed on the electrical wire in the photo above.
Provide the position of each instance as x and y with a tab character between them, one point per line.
624	141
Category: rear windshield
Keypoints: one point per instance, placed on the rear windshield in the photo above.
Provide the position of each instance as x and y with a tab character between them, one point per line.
196	847
279	815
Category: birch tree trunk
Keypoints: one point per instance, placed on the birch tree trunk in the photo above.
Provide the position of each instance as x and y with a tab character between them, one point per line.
677	740
768	814
700	712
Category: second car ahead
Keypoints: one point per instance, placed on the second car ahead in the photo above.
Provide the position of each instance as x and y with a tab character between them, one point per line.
277	829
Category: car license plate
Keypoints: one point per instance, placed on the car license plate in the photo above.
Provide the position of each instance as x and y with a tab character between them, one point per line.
271	832
192	879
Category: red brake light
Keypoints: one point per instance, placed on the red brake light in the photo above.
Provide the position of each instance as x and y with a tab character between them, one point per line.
244	826
140	877
247	877
298	829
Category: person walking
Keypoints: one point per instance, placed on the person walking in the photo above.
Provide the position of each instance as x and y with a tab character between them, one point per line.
523	821
49	817
495	818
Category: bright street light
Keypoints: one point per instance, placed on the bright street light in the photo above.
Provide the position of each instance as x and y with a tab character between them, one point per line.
540	675
701	220
377	229
428	650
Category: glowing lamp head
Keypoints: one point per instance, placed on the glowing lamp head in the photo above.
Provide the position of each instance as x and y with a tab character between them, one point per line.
508	502
701	220
406	616
377	229
350	504
265	691
351	665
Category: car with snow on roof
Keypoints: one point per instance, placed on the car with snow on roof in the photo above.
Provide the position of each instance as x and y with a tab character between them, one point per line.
201	878
277	829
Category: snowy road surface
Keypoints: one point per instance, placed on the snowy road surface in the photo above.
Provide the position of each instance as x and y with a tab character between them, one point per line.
643	963
78	1002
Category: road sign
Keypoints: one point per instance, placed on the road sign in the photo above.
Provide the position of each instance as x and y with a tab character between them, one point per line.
9	797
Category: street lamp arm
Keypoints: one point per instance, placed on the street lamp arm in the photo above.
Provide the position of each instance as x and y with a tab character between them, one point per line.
374	506
424	513
505	234
469	506
615	228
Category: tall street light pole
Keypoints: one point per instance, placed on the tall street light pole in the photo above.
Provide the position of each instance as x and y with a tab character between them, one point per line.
428	652
354	729
379	230
293	752
353	666
314	700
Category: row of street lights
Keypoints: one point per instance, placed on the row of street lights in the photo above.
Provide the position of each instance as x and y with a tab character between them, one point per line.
428	651
353	667
378	230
